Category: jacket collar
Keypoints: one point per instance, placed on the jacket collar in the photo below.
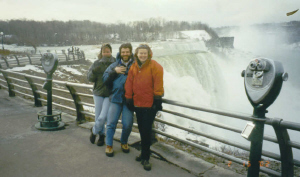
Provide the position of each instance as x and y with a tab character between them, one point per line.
140	65
106	59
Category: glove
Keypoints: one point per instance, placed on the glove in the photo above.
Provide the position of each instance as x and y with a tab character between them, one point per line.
157	104
129	104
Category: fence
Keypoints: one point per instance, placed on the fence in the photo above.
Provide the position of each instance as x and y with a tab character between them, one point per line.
77	98
14	60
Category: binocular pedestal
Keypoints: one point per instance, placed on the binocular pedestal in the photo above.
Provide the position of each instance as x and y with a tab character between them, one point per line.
49	122
50	119
263	82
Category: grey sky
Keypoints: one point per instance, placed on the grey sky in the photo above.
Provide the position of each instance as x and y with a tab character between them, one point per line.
213	12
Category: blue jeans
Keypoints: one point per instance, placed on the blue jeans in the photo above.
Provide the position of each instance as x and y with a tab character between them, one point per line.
114	112
101	110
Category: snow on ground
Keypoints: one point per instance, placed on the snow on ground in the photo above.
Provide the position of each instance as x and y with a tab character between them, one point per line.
14	47
70	69
196	34
27	67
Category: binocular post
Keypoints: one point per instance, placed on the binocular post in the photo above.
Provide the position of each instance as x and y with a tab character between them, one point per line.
50	119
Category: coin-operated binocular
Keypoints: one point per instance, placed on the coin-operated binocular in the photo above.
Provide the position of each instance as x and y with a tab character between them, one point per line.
263	82
49	63
49	120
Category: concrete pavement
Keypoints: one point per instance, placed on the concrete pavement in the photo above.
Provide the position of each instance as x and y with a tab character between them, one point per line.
25	151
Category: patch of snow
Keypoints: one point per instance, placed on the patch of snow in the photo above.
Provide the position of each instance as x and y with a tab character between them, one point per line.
70	69
59	74
27	67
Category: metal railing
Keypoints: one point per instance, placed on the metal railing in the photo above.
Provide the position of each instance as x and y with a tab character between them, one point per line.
14	60
77	98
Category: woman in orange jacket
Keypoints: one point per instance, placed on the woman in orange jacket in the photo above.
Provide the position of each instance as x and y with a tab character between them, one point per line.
143	91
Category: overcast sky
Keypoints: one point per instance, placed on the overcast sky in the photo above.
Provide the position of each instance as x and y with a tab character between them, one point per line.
212	12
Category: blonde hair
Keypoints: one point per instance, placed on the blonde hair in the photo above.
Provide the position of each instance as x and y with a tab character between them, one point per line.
143	46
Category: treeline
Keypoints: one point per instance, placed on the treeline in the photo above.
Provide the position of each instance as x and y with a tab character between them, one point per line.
29	32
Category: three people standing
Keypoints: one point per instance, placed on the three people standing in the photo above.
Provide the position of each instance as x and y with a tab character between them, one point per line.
136	84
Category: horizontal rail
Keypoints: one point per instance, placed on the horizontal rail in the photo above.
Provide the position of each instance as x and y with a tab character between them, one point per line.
87	104
5	71
16	91
290	125
26	88
60	90
35	77
80	85
73	84
59	105
220	154
87	113
268	138
55	96
214	111
4	86
2	80
83	94
294	144
16	79
220	139
203	121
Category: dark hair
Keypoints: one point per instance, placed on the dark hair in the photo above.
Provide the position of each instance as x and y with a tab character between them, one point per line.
143	46
102	48
125	45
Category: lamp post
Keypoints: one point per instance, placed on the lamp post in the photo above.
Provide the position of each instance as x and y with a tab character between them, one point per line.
55	38
2	34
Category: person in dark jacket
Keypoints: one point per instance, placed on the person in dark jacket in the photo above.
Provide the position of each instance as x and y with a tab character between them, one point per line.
115	78
144	90
100	92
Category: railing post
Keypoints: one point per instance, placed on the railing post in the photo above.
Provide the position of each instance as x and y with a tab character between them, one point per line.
153	135
17	60
64	52
256	143
82	55
5	59
3	76
9	86
36	95
286	152
29	58
79	107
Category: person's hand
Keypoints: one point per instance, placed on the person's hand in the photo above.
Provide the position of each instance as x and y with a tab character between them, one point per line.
157	104
129	104
120	69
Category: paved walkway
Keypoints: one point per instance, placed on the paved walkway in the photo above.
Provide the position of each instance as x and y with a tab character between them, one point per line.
25	151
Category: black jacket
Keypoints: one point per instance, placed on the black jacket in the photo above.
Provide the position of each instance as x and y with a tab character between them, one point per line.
95	74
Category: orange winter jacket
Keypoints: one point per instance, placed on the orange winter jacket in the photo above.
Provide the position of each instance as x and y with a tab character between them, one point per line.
145	83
